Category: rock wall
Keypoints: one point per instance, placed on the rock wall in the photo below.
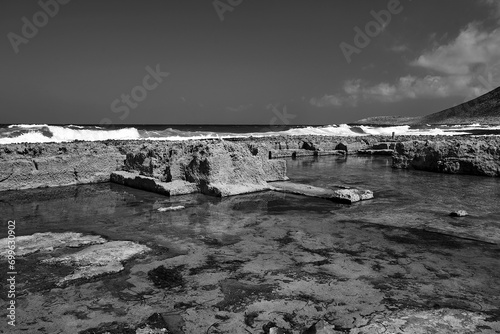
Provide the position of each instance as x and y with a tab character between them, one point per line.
476	156
26	166
215	165
219	168
225	167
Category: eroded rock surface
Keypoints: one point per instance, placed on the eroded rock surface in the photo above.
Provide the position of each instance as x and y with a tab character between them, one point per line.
135	180
453	156
47	242
443	321
217	168
98	260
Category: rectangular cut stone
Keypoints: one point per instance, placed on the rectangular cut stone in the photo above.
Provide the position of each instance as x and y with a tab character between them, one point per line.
137	181
225	190
348	196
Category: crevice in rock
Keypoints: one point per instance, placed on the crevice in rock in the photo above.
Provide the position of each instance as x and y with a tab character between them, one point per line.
8	177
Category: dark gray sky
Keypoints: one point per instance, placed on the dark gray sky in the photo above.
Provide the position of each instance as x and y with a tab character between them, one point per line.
84	63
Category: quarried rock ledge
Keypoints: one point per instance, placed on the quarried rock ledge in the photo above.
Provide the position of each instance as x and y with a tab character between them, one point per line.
226	167
213	167
475	156
38	165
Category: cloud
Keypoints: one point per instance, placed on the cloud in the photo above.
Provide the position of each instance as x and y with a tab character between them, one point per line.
472	49
466	67
496	6
408	87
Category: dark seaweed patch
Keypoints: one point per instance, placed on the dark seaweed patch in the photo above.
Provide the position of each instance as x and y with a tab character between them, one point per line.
165	278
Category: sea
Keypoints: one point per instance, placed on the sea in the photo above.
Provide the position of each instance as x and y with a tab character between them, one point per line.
43	133
284	258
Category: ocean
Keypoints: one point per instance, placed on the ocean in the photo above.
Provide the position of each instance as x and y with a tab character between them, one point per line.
43	133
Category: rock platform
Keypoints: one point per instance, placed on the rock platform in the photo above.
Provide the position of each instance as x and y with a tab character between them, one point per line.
347	196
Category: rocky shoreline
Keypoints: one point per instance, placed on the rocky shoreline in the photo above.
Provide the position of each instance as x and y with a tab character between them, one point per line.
473	156
233	166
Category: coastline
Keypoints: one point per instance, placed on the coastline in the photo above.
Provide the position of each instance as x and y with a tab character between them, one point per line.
29	165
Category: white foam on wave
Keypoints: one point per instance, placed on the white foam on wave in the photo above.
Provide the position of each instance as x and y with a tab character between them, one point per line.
346	130
27	126
477	127
405	130
331	130
62	134
41	133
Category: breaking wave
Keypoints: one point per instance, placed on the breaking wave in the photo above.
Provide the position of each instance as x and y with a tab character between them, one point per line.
43	133
50	133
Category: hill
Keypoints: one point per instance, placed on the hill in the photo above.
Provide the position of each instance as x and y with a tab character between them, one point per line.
484	109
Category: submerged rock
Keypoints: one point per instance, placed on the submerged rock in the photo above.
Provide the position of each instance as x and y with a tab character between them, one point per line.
98	260
47	242
443	321
155	324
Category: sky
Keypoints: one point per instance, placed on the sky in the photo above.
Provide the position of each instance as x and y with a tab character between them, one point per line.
275	62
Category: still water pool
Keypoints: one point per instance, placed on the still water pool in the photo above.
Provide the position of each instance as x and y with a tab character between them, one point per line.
284	258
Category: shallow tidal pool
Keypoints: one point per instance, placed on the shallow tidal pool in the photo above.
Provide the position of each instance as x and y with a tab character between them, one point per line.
395	264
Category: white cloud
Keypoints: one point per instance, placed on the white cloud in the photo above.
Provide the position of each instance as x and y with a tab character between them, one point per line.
466	67
472	49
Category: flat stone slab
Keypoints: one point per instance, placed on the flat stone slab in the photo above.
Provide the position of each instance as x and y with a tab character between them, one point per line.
135	180
348	196
98	260
226	189
47	242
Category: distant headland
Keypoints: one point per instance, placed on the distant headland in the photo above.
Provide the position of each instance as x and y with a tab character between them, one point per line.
484	110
